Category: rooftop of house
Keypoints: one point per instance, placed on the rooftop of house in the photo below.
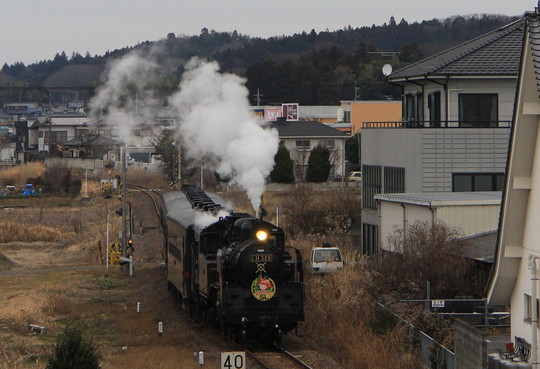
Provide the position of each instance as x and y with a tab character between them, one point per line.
306	129
496	53
93	139
73	120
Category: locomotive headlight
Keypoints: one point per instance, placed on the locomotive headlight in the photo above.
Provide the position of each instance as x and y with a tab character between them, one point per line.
261	235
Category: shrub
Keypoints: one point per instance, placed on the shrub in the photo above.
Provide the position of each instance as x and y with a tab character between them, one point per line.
319	165
72	351
283	170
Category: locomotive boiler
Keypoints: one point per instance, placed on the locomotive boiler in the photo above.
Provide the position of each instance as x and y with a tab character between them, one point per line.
231	269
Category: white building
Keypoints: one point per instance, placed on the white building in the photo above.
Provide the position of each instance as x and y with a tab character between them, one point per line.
514	281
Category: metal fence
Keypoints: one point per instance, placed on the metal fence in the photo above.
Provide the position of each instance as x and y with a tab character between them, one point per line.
433	354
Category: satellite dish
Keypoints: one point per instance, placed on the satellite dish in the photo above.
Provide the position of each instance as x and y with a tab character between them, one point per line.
386	70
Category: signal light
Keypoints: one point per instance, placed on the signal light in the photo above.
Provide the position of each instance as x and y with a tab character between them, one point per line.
261	235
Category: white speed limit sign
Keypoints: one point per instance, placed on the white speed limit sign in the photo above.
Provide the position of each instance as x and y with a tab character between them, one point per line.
233	360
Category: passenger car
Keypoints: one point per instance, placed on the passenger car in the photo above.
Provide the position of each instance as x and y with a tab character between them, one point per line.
355	177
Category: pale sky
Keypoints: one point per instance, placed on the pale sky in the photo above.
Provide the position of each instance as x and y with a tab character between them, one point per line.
33	30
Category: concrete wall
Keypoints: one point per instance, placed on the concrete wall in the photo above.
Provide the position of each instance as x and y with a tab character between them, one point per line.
470	347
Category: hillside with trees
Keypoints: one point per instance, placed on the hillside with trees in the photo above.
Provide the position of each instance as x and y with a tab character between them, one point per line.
310	68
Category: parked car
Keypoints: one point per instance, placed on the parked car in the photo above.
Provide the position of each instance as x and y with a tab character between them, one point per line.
355	177
325	259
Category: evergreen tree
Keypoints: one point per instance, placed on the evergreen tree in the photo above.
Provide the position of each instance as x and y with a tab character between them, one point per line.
72	351
283	170
318	164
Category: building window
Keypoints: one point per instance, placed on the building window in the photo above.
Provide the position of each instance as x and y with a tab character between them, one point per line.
370	239
478	110
529	309
330	144
371	185
414	110
394	180
303	145
474	182
59	136
434	108
347	116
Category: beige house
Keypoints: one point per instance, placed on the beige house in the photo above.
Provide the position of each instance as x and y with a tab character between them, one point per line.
514	280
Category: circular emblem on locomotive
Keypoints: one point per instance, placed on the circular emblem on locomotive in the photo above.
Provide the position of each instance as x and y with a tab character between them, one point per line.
263	288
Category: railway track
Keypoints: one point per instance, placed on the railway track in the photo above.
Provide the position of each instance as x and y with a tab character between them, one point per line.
279	358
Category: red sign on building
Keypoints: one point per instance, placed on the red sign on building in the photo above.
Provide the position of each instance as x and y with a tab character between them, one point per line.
290	111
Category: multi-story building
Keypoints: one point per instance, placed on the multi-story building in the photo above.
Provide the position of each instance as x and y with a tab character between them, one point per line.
455	126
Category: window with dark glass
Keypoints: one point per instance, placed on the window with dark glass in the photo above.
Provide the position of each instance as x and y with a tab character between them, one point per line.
475	182
478	110
303	144
434	108
394	180
370	239
371	185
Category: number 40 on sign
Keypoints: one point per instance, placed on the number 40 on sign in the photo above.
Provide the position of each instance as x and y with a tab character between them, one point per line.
233	360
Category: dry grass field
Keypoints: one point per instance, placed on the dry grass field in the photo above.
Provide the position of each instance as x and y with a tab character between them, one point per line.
43	238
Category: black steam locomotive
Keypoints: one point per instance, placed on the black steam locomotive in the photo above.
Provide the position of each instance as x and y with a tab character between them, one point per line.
234	270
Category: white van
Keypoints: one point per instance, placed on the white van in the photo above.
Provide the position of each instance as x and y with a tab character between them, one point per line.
325	259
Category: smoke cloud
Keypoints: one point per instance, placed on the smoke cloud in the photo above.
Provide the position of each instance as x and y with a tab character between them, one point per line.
216	127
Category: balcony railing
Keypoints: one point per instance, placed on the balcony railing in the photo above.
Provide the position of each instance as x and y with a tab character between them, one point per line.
441	124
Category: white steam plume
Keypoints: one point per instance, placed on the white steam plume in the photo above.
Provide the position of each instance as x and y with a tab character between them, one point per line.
216	124
120	100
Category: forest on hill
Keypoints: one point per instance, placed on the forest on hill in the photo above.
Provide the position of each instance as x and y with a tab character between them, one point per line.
309	68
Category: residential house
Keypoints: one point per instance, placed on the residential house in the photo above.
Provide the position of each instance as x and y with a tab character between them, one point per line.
514	281
91	146
21	111
59	129
300	137
455	127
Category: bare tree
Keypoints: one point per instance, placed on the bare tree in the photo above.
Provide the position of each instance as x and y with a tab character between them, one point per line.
424	252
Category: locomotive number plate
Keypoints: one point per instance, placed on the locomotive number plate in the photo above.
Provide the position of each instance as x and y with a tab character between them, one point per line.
261	258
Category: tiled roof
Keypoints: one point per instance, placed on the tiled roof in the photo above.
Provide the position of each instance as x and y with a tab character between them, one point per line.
306	129
533	24
93	139
495	53
65	120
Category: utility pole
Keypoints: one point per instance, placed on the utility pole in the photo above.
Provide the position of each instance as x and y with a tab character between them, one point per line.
125	267
258	97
